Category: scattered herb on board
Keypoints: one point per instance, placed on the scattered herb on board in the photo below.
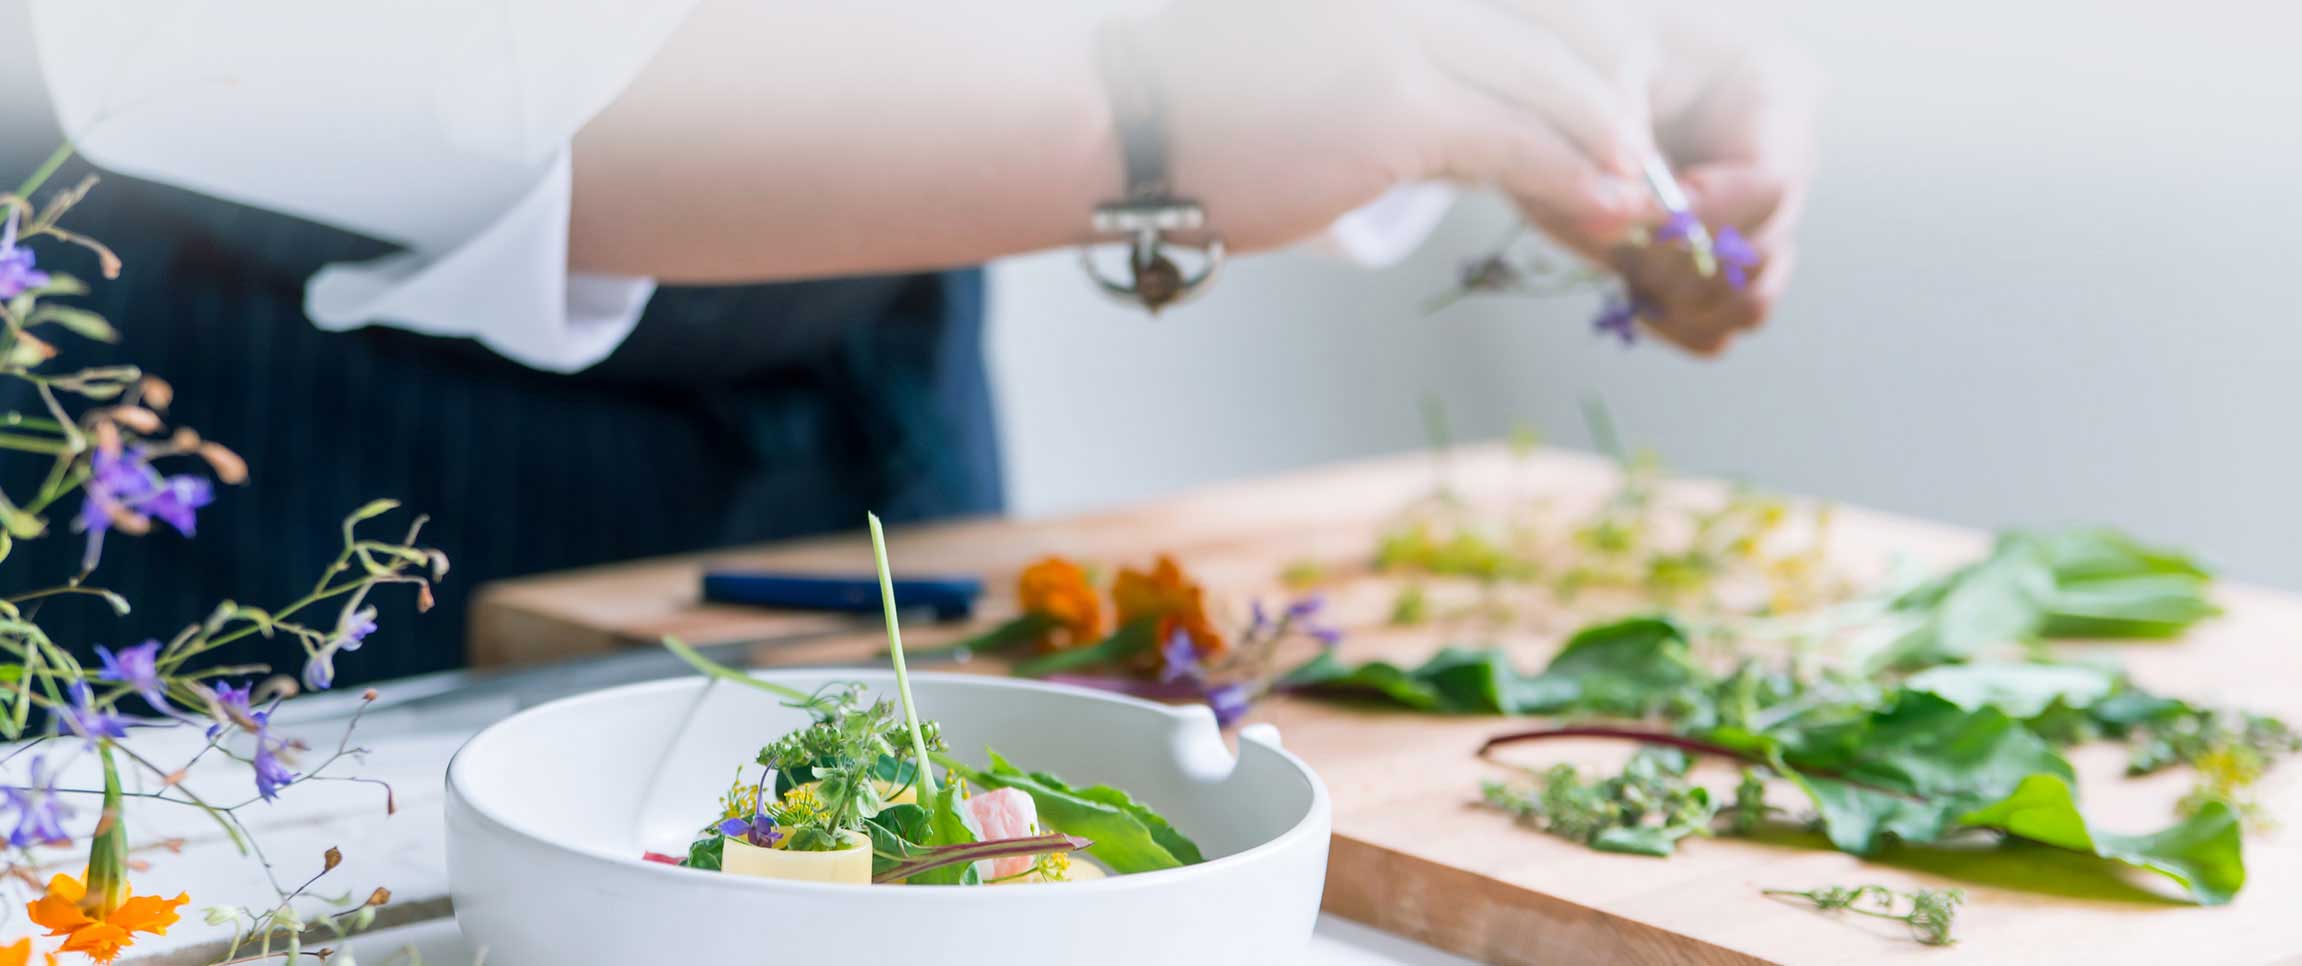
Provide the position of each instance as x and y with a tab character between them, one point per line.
1918	711
1929	913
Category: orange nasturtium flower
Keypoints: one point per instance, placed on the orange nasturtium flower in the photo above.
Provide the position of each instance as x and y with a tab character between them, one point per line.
1179	605
65	911
1057	590
19	954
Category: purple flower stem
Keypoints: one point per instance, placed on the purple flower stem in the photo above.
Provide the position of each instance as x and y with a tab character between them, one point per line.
928	860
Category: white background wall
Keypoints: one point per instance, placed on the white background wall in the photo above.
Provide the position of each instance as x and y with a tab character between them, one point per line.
2051	273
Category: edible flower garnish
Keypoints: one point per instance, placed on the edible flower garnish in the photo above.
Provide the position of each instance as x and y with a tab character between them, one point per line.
860	783
1056	591
1173	604
98	926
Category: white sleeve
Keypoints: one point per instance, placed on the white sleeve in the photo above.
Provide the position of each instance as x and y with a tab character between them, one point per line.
438	125
1389	228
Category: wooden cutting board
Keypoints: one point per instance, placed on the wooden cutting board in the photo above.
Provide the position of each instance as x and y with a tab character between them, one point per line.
1411	855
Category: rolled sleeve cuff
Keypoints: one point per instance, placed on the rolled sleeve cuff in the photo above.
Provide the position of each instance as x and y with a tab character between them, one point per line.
507	286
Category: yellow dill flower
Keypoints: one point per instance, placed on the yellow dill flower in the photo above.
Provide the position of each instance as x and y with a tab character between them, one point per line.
799	807
741	800
1055	867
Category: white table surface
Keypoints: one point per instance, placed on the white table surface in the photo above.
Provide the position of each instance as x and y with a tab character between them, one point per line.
405	851
1339	942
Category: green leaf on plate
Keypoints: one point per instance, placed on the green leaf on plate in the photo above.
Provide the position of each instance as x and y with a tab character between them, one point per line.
1124	840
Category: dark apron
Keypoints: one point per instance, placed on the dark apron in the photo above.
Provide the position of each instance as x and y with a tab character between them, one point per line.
732	415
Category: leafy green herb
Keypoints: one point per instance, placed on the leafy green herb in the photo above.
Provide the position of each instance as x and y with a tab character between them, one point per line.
1129	837
2021	691
1304	574
1411	607
2202	852
2185	734
704	852
1626	667
1930	914
2055	584
1130	639
1645	810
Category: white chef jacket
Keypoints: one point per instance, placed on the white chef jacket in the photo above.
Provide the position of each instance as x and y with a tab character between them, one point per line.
442	126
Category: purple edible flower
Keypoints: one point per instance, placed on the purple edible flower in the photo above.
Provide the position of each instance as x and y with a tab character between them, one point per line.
1229	702
351	632
1181	659
40	812
83	718
137	667
1736	256
759	830
271	774
1258	621
234	701
124	482
176	498
1619	317
16	272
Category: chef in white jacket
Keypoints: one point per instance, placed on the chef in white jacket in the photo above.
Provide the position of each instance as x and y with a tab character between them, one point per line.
593	280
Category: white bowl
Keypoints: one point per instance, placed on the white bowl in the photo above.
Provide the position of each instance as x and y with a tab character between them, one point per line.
549	811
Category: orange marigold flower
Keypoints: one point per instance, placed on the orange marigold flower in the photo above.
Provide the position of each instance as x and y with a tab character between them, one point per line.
1057	589
1177	602
19	954
64	912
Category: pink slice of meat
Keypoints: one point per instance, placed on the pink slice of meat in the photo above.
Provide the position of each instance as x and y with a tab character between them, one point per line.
1005	814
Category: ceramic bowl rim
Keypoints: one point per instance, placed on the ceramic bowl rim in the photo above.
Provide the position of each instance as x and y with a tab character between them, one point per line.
1316	814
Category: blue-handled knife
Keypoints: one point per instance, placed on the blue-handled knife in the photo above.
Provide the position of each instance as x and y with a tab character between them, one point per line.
948	598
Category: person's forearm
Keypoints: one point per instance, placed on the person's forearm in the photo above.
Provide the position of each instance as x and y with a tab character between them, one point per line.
782	140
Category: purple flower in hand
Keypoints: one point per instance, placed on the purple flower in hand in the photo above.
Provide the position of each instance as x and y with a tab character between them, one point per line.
1229	702
1619	317
1678	227
1736	256
137	667
1179	658
40	812
83	718
16	272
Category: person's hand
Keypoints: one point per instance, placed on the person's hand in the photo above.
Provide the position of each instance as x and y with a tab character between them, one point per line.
1284	114
1734	116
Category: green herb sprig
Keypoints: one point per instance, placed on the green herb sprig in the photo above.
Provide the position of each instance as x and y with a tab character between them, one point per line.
1930	913
1645	810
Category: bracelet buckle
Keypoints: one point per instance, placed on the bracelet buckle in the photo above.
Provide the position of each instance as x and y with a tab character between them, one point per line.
1154	280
